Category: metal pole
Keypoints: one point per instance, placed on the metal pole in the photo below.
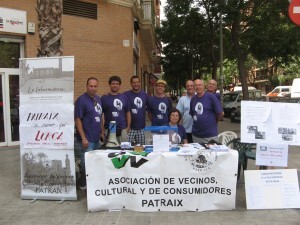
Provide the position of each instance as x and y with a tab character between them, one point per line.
221	58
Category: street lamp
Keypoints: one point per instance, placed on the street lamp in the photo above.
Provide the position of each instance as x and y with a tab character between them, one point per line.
221	58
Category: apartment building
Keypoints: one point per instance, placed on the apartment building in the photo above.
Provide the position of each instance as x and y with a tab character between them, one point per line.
109	37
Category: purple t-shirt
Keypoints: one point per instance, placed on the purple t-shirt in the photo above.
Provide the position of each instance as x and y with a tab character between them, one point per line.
159	108
114	109
89	110
204	112
137	104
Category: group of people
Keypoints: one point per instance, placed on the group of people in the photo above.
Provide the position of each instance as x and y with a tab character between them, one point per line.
195	116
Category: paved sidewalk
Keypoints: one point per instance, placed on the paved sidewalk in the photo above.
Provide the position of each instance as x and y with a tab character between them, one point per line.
14	211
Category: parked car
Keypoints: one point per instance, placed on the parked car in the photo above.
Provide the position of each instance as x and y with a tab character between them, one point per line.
235	115
233	99
280	91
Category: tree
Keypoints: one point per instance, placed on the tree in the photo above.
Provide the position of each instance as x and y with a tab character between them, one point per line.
189	51
49	26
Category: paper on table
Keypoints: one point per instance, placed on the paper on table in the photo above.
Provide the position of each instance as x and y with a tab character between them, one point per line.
160	142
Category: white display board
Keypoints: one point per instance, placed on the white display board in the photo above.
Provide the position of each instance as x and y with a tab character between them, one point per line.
47	128
271	154
270	121
47	80
272	189
148	182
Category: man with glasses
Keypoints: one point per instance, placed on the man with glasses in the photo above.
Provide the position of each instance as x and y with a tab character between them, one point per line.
88	114
159	105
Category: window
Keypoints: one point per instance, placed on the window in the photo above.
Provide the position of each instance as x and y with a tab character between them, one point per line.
80	8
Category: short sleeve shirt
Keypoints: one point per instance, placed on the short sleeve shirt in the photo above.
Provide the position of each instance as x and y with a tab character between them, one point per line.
115	108
89	110
137	104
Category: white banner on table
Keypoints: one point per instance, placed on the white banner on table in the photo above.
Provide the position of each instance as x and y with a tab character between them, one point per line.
164	181
47	80
272	189
48	174
272	154
269	121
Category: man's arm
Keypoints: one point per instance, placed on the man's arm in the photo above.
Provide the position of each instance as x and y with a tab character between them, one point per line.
219	116
128	119
150	116
79	127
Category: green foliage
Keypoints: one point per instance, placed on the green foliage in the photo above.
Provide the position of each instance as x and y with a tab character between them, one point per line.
255	33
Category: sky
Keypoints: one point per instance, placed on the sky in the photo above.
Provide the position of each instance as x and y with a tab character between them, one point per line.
163	4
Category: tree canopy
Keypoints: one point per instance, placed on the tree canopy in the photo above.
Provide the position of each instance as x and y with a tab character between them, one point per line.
254	31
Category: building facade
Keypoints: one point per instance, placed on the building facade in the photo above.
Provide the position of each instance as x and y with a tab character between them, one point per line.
111	37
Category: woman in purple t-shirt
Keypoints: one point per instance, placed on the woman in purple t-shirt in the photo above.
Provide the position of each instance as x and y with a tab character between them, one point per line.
180	136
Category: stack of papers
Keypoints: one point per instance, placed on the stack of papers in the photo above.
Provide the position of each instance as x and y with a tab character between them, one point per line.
218	148
190	149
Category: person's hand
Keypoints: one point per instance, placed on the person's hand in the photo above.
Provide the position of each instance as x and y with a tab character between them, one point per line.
85	143
127	129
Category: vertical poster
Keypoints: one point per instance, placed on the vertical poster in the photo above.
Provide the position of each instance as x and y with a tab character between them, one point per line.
47	128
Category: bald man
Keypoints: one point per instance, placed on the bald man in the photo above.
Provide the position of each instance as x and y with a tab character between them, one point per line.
206	112
183	106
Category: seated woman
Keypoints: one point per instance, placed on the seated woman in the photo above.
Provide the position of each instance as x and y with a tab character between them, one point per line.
180	136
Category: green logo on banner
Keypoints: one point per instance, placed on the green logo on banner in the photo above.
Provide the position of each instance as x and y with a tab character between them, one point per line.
119	160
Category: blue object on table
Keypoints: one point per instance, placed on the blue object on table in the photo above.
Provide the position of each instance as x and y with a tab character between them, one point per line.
159	128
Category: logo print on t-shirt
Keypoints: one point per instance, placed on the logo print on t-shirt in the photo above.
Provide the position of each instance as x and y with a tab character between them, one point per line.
118	104
162	107
199	108
176	139
98	109
138	102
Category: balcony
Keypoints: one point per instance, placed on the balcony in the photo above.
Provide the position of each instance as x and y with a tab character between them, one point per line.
147	25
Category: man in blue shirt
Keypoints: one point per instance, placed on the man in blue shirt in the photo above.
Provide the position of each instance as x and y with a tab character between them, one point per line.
159	105
88	113
183	106
138	101
116	108
206	111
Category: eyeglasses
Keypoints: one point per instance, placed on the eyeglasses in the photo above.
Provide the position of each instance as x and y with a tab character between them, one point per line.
95	102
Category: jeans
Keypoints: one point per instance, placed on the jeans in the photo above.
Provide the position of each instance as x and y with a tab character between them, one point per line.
92	146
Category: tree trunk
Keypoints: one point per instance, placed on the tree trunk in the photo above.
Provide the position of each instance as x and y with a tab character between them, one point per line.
49	26
241	57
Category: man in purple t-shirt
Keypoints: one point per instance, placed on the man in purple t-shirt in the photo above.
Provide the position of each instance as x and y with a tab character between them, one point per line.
138	100
159	105
116	108
206	111
88	113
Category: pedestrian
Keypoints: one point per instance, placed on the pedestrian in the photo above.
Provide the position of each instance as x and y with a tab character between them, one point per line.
211	87
89	127
159	105
138	100
183	106
178	137
116	108
206	112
